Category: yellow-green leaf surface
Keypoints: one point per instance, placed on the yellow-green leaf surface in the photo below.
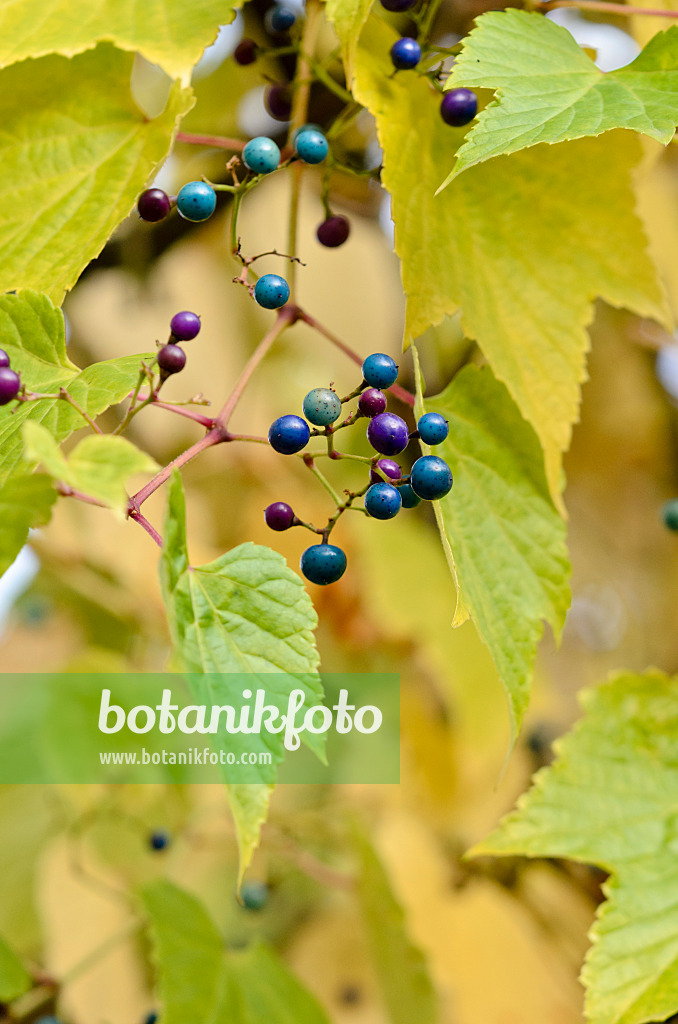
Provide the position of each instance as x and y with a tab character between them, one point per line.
348	18
258	988
14	978
25	501
507	539
99	465
610	799
549	89
507	244
75	152
171	33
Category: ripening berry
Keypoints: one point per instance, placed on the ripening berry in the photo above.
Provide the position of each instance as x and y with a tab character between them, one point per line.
311	146
458	107
278	101
322	407
323	564
388	466
372	402
4	358
388	434
171	359
159	840
10	385
289	434
271	291
196	201
279	516
185	325
334	231
383	501
431	477
405	53
153	205
261	155
245	52
380	371
433	428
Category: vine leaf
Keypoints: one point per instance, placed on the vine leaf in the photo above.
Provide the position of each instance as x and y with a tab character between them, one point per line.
549	90
348	18
25	502
66	195
499	243
14	978
258	987
610	799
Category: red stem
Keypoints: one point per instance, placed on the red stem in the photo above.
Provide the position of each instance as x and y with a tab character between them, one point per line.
180	410
70	492
286	316
216	141
143	521
215	436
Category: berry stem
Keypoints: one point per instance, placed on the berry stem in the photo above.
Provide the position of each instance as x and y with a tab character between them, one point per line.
286	316
181	410
78	408
605	7
216	141
214	436
428	22
148	527
70	492
324	481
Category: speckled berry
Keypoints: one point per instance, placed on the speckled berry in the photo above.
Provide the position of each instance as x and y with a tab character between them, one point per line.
388	434
196	201
254	895
409	498
322	407
383	501
271	291
334	231
431	477
261	155
245	52
153	205
185	325
387	466
159	840
4	358
278	101
670	514
433	428
311	146
372	402
10	385
323	564
379	370
458	107
405	53
289	434
279	516
171	359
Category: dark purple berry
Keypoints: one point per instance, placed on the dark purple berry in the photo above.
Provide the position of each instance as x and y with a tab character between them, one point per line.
458	107
185	325
388	434
153	205
278	102
10	385
245	52
389	467
4	358
334	231
171	359
279	516
372	402
398	6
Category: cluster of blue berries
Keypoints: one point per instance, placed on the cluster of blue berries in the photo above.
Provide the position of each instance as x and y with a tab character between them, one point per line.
388	490
10	382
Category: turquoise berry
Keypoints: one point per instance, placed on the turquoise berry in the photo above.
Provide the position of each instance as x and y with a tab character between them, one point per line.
431	477
311	146
271	291
196	201
380	371
409	498
383	501
323	564
322	407
670	514
254	895
310	127
261	155
433	428
289	434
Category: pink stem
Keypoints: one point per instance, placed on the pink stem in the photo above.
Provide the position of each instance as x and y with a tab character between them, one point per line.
180	410
286	316
70	492
143	521
215	436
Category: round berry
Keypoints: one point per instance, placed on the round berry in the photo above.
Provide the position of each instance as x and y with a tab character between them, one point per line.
458	107
261	155
151	1018
322	407
398	6
10	385
289	434
171	359
185	325
670	514
153	205
409	498
431	477
48	1020
405	53
279	516
383	501
379	370
311	146
334	231
196	201
4	358
280	19
271	291
311	126
372	402
388	434
245	52
278	101
323	564
254	895
387	466
159	840
433	428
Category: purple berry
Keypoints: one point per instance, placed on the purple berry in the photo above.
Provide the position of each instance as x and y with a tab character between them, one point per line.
389	467
245	52
388	434
185	325
334	231
398	6
4	358
372	402
279	516
171	359
153	205
278	102
10	385
458	107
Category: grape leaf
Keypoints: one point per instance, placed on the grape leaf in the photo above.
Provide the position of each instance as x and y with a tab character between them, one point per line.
75	151
14	978
549	90
348	18
506	244
25	502
171	33
610	799
98	466
258	987
507	539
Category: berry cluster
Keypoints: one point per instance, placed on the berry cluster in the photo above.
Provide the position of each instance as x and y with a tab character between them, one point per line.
171	357
10	382
388	489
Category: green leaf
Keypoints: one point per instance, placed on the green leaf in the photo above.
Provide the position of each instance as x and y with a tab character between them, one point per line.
171	33
25	502
14	978
188	952
98	466
610	799
32	333
348	18
400	966
506	244
507	539
75	151
549	90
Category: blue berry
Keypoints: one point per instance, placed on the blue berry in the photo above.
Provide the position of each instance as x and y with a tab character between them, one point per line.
409	498
433	428
311	146
196	201
261	155
380	371
159	840
323	564
405	53
310	127
48	1020
289	434
387	466
151	1018
271	291
254	895
388	434
458	107
322	407
383	501
431	477
281	19
670	514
